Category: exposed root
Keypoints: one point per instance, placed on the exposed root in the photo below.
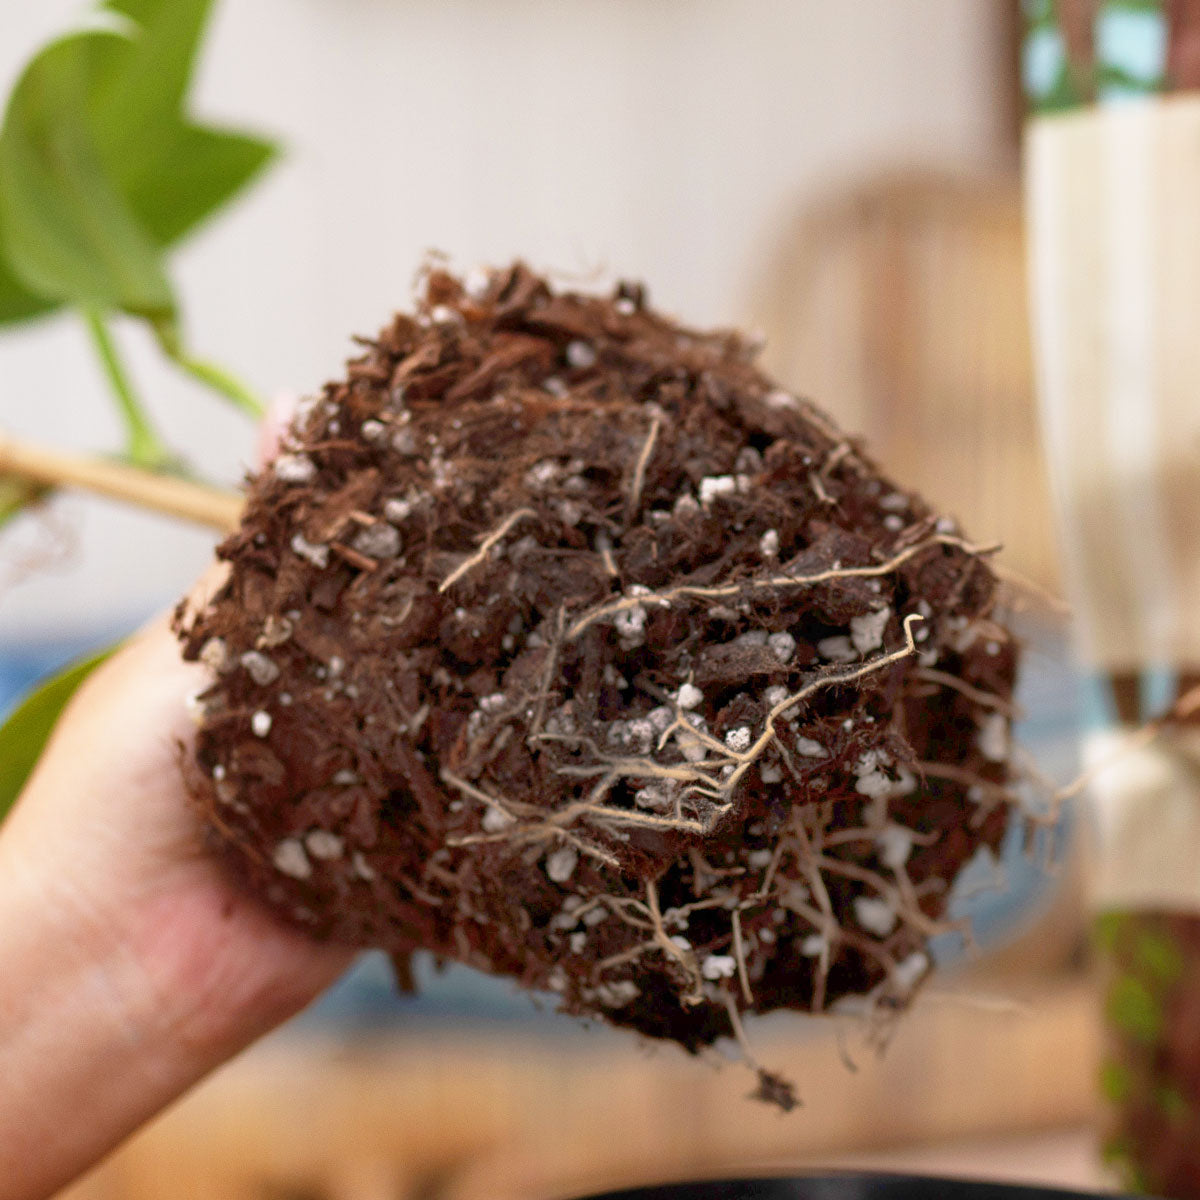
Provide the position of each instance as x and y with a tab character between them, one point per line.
508	808
538	831
739	954
1022	585
772	1088
1135	740
819	489
543	692
639	470
836	457
685	958
974	694
708	785
739	1033
722	591
825	922
54	542
485	548
909	913
996	793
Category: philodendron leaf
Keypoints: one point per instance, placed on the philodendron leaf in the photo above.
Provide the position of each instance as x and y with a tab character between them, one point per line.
139	86
200	172
175	173
17	303
66	231
24	735
101	169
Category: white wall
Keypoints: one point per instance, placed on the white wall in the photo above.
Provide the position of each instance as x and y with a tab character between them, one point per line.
657	138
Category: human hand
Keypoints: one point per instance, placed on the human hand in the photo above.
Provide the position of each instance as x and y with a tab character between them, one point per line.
130	962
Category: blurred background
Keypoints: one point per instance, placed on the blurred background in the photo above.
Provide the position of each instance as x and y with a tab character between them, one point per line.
686	142
842	176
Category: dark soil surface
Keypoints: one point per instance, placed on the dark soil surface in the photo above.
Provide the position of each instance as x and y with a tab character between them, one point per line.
562	642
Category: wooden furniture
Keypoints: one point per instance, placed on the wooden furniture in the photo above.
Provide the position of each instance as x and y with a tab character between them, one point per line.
476	1115
901	306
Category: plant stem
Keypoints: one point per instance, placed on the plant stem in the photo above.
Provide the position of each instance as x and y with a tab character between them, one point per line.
143	446
212	376
161	493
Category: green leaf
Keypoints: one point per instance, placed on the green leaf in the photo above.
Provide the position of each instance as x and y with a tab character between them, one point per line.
1172	1103
1116	1082
1159	956
17	303
65	229
201	171
139	87
100	167
175	173
24	735
1133	1011
1110	929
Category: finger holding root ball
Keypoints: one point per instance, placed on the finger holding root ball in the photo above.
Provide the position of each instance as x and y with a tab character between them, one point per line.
561	642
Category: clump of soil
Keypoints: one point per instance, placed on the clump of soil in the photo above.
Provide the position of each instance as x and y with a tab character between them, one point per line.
563	643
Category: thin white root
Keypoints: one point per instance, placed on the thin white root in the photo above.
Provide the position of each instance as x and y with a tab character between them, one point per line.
695	992
739	1034
705	782
721	591
977	695
639	470
739	954
485	548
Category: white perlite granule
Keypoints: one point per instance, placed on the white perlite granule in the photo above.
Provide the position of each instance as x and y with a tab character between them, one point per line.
993	737
718	966
494	821
290	859
716	485
313	552
738	739
259	667
908	972
294	468
561	863
580	355
875	916
782	645
837	649
378	541
895	844
866	632
214	654
397	510
322	844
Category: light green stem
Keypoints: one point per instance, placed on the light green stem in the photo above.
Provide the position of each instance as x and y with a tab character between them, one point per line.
212	376
143	445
